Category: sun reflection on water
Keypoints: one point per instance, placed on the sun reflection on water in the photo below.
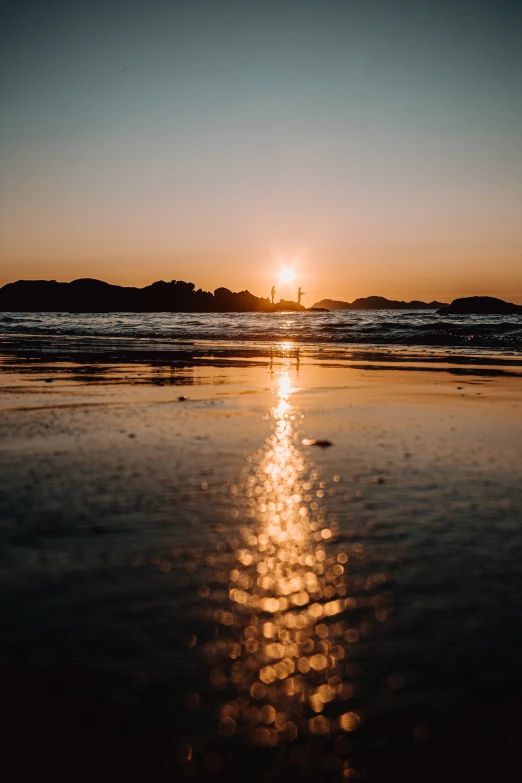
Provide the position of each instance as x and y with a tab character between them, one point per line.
282	652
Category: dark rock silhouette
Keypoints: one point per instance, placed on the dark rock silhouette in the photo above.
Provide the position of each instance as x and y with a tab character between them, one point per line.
480	305
95	296
376	303
226	301
286	304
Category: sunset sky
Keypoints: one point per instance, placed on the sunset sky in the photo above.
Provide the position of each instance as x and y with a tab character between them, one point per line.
373	145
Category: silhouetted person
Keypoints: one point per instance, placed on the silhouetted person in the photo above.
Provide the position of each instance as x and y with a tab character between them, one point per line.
299	295
273	292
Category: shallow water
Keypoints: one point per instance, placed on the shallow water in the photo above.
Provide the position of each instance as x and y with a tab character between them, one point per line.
194	584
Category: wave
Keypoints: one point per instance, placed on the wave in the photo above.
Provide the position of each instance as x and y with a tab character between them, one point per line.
407	328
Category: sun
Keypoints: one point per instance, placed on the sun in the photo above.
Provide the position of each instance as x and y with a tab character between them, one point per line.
286	275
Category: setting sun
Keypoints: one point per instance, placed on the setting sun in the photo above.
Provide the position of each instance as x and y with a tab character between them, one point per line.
286	275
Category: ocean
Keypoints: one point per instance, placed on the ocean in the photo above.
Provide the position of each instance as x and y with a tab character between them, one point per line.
412	328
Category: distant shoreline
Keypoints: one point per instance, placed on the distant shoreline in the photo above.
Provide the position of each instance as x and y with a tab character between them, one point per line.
87	295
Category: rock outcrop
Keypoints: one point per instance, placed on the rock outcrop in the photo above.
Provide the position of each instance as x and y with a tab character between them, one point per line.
95	296
480	305
377	303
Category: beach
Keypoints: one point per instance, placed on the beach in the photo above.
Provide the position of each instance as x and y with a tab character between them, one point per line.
224	562
260	391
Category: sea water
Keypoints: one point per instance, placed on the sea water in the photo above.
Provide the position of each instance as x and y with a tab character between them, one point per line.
415	328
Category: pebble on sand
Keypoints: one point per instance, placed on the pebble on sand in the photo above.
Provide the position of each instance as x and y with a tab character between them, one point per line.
313	442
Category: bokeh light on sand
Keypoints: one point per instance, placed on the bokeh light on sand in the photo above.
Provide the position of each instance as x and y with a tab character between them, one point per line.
284	635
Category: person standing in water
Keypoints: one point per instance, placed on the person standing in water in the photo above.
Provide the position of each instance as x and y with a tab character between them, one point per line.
299	295
273	292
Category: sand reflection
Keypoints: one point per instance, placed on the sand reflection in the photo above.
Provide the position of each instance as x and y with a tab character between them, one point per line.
285	633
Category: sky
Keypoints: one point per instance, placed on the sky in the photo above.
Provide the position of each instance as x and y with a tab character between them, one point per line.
374	146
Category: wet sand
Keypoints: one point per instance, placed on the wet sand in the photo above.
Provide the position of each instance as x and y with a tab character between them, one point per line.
192	588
